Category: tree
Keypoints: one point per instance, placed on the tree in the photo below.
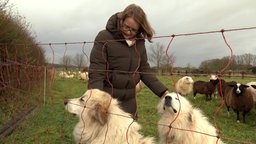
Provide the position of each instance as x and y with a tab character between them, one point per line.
158	57
254	70
213	65
79	61
245	59
66	61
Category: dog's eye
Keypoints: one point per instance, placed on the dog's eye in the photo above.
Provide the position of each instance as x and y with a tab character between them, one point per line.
81	99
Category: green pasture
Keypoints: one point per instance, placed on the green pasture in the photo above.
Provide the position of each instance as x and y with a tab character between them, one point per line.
49	123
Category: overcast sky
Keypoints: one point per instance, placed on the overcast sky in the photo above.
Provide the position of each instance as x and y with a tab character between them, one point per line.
80	20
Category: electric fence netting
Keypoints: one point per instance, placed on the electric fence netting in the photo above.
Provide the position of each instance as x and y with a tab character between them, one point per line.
32	91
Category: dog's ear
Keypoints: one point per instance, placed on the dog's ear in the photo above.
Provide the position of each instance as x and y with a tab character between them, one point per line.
191	117
99	114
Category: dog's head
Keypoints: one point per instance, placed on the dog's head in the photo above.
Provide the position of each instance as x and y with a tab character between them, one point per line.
92	105
172	103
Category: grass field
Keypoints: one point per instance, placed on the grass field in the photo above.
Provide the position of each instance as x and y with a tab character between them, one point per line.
51	124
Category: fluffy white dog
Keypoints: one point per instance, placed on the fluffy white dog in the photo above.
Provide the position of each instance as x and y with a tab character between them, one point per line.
180	123
102	121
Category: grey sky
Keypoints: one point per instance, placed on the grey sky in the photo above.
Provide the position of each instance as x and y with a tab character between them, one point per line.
81	20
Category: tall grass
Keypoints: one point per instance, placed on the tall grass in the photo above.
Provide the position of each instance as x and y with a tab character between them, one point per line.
50	123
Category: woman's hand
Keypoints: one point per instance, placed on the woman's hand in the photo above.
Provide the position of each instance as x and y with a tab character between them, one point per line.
165	93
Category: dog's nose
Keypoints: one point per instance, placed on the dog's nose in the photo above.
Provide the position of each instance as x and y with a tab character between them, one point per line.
65	102
168	100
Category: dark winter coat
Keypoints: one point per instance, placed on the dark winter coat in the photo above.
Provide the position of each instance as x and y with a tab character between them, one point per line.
116	66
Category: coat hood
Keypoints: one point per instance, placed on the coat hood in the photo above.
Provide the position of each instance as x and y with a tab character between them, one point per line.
112	26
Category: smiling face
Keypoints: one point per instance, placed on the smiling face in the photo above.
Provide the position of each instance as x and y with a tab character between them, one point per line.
129	28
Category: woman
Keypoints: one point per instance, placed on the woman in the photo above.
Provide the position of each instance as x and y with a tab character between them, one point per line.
118	60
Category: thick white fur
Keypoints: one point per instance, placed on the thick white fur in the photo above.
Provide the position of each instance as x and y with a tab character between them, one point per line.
184	85
102	121
186	117
253	90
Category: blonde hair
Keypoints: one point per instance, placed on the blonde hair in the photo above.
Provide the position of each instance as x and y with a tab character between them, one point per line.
137	13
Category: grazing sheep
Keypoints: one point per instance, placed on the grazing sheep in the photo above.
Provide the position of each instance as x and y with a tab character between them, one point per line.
184	85
239	98
204	87
252	88
63	74
83	76
223	86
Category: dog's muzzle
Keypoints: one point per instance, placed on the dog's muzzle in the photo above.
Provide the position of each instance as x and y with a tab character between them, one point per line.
65	102
66	106
168	103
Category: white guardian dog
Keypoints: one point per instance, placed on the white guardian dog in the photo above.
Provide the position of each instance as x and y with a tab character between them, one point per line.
180	123
102	121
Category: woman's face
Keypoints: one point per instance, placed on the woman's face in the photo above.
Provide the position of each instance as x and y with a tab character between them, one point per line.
129	28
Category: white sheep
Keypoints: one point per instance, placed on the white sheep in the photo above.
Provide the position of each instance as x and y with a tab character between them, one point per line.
70	76
184	85
64	74
83	76
252	89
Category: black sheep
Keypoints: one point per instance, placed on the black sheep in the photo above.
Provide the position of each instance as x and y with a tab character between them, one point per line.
204	87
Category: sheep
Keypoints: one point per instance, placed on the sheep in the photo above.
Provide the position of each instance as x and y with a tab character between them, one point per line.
223	86
223	89
63	74
215	78
204	87
184	85
239	98
70	76
252	88
83	76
